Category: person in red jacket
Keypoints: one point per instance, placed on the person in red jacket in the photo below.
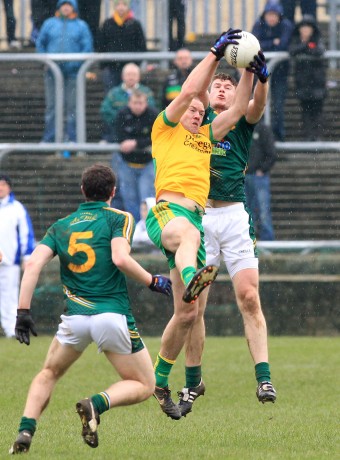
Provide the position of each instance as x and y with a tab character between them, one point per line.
121	33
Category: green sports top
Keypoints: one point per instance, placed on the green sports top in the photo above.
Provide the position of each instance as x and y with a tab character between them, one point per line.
229	161
91	281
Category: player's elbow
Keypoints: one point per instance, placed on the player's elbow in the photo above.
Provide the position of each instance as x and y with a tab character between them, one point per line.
242	108
189	91
33	265
121	261
238	112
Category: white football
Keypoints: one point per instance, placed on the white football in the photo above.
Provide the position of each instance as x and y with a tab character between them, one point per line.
240	55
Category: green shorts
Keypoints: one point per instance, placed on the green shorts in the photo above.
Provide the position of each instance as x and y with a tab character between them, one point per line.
160	215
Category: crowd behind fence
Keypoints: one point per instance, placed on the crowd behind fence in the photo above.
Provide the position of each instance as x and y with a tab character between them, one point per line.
81	98
202	17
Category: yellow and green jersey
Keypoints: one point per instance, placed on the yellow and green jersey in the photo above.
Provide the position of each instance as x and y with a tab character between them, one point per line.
92	283
229	161
181	159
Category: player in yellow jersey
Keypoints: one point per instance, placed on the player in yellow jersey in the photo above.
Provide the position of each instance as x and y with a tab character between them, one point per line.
230	236
181	150
93	245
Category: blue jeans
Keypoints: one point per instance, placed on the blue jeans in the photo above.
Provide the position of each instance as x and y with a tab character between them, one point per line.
117	201
135	185
258	200
69	106
10	20
307	7
111	78
278	88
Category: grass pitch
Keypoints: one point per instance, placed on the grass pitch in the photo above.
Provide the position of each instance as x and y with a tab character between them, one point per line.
227	423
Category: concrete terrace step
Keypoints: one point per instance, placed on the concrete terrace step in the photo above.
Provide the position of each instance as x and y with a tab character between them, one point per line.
22	96
49	186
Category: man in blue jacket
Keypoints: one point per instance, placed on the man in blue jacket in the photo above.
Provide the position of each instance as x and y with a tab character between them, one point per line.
274	32
64	33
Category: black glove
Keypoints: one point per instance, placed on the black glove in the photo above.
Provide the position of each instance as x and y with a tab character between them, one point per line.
24	325
259	67
225	39
161	284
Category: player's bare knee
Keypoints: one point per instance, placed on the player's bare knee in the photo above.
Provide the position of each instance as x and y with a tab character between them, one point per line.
49	374
149	389
187	316
249	302
193	235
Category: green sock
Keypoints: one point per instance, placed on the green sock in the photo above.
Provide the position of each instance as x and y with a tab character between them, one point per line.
187	274
101	402
262	372
162	368
28	424
193	375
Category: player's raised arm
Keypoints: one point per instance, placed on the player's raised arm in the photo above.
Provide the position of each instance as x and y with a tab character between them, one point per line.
200	77
223	123
257	105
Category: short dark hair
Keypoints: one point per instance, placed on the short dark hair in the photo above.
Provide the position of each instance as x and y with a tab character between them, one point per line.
97	182
137	93
6	179
225	77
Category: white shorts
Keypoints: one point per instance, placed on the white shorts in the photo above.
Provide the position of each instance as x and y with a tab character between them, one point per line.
109	331
229	233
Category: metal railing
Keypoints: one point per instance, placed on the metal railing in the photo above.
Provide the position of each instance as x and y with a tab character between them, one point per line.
92	58
301	246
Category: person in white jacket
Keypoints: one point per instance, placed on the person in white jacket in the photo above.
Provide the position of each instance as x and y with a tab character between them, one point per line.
141	238
16	245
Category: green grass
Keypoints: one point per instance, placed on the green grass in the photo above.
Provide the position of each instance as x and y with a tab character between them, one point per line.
227	423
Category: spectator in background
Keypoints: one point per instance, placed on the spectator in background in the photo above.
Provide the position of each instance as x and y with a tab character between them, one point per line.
41	10
121	33
118	97
17	244
89	11
310	75
274	32
13	43
182	67
262	157
141	238
176	14
135	166
306	6
64	33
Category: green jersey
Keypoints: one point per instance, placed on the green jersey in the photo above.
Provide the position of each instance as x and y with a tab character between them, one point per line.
91	281
229	161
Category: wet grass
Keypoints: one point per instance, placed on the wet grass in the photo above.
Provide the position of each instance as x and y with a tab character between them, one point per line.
227	423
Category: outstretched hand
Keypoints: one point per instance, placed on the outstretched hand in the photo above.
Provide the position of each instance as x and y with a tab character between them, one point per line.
259	67
161	284
24	325
229	37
